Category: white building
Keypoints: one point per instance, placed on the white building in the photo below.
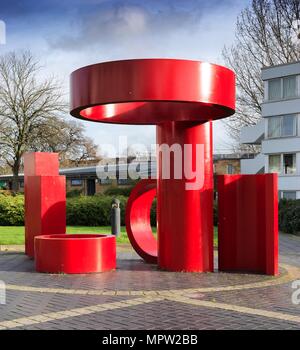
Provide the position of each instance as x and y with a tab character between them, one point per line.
279	130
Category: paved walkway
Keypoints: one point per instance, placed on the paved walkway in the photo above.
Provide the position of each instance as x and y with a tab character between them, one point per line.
138	296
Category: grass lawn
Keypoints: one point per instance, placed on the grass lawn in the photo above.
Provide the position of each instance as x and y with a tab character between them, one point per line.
14	235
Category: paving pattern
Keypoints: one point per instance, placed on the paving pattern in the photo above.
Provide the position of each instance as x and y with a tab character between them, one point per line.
139	296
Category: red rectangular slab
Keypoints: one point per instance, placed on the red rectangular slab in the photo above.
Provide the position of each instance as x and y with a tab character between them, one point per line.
45	208
248	223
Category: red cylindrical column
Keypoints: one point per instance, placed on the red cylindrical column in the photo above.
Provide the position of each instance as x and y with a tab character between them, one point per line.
185	206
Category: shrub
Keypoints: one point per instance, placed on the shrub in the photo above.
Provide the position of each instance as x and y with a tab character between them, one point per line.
118	191
92	211
74	193
289	216
153	213
96	211
11	210
85	211
6	193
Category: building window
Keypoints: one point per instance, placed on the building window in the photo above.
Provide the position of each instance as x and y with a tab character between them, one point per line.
275	89
274	127
274	163
123	181
282	88
283	126
76	182
106	181
289	164
289	87
289	125
230	169
289	195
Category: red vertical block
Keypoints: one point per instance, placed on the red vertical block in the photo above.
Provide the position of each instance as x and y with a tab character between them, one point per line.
185	216
41	164
45	198
248	223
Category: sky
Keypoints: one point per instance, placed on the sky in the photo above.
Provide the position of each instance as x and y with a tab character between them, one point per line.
67	34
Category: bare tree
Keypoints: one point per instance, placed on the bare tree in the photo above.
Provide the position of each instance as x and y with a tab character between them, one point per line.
267	33
31	116
25	105
66	138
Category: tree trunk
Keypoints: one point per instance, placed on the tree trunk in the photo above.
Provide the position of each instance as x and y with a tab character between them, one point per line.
15	181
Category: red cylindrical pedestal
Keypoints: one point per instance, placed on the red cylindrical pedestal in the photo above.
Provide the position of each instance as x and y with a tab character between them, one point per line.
79	253
185	216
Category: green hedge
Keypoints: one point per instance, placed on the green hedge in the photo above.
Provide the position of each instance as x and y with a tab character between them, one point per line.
118	191
92	211
81	210
74	193
153	213
289	216
95	211
11	210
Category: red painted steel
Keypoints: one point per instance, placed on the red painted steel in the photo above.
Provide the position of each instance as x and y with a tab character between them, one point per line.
45	198
181	97
248	223
185	217
87	253
152	91
137	219
41	164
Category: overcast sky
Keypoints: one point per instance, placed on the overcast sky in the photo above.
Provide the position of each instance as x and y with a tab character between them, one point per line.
67	34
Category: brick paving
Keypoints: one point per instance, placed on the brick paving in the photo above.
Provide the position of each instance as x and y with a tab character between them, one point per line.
139	296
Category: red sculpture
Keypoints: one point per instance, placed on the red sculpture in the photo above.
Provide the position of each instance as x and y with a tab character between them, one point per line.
248	223
182	98
85	253
45	224
45	198
137	218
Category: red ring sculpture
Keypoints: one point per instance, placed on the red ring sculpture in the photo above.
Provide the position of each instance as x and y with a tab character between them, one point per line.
137	218
74	254
182	98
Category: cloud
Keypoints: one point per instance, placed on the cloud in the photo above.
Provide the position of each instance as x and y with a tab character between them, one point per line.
175	29
112	25
123	24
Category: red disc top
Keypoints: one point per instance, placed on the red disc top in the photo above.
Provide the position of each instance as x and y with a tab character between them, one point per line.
152	91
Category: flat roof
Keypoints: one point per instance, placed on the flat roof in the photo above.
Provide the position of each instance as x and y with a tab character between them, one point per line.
281	70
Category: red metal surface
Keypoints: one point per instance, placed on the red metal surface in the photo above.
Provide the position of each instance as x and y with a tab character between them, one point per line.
185	222
45	198
248	223
181	97
87	253
152	91
41	164
137	218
